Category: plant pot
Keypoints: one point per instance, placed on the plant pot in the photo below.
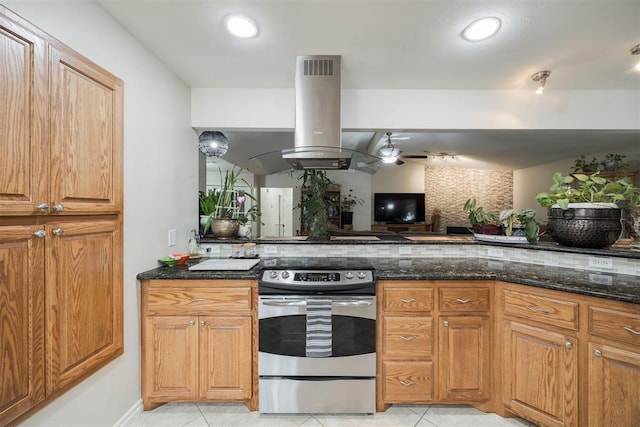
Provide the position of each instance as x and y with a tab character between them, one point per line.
224	228
491	229
585	225
244	230
347	218
632	224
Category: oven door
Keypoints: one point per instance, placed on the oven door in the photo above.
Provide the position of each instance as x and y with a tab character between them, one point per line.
282	340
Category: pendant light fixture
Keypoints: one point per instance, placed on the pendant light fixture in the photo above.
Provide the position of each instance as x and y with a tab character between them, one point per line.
389	153
541	76
213	143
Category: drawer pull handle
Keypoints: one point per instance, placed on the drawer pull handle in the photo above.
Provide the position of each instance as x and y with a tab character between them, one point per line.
407	300
464	300
597	353
198	299
569	345
409	338
407	383
537	310
631	330
446	323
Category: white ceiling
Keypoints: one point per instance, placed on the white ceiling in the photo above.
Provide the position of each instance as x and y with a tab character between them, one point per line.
405	44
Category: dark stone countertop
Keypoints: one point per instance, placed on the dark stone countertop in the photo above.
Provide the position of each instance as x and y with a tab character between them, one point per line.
621	287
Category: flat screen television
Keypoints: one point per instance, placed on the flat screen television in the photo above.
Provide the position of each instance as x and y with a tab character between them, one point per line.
398	208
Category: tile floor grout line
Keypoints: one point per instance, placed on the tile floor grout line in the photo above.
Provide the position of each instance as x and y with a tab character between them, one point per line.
202	415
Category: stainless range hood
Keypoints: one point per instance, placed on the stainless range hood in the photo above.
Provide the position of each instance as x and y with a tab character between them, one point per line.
317	143
318	130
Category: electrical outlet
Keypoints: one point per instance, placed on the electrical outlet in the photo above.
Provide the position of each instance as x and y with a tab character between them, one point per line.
601	262
495	252
171	237
601	279
404	250
214	249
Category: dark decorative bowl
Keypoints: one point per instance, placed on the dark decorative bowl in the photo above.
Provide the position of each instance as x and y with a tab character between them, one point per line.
594	228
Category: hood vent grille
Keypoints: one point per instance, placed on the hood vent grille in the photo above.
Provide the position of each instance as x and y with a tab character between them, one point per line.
318	67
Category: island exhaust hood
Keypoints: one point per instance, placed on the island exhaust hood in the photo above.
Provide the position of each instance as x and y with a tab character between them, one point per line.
318	130
317	136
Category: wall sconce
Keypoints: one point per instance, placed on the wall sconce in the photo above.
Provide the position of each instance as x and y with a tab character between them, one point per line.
636	51
213	143
541	76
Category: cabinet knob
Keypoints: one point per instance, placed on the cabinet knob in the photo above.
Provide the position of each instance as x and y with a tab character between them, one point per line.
58	231
597	353
568	344
202	323
40	233
191	323
446	323
42	207
58	207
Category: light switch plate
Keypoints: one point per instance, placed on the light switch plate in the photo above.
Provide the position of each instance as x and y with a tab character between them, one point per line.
404	250
171	237
270	249
601	262
495	252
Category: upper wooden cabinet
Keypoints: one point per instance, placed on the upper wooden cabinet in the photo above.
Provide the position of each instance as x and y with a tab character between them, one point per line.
61	129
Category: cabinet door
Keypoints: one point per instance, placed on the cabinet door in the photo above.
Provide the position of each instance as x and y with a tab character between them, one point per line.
21	320
86	136
23	110
83	298
169	359
614	387
465	358
540	374
225	358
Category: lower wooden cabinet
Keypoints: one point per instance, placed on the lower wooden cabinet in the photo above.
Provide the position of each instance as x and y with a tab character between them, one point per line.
198	341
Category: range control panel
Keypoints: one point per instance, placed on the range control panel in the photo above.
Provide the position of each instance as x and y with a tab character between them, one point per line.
310	277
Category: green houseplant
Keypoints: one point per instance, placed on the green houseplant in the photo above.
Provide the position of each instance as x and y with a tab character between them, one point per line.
584	210
348	202
482	222
520	223
313	209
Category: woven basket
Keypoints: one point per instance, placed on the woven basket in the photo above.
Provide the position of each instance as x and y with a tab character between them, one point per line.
594	228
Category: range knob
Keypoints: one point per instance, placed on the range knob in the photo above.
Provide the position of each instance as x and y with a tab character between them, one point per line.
362	275
273	274
349	275
284	274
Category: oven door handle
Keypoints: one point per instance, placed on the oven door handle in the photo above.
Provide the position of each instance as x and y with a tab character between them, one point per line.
303	303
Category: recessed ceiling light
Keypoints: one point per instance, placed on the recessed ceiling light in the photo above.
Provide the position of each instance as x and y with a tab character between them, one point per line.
481	29
241	26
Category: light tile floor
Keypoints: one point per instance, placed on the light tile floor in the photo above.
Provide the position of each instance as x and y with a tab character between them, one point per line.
223	415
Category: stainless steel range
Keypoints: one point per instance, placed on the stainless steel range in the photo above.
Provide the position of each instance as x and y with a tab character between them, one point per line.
317	336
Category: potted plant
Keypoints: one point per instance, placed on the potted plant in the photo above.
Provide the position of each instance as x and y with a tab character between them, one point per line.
521	223
348	202
586	214
482	222
614	162
223	220
313	209
245	218
581	165
208	202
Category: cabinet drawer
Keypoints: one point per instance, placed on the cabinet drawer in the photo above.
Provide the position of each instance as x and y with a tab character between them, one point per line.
464	299
407	381
408	299
617	325
406	337
543	309
198	301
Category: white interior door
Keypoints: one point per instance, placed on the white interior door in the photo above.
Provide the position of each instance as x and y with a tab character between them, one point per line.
276	205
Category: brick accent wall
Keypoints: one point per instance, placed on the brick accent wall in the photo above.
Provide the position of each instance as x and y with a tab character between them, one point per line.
447	189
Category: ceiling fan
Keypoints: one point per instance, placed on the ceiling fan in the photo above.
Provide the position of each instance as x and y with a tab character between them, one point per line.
391	154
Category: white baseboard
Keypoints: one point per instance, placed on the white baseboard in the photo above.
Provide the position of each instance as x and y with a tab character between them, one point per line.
134	410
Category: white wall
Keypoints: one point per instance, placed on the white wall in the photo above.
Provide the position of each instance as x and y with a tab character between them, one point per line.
160	180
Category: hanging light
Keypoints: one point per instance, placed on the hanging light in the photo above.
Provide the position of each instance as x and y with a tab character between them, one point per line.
389	153
541	76
213	143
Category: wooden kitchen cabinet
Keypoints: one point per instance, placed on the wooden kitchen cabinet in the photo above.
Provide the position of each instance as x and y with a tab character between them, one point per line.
199	341
614	366
61	210
22	327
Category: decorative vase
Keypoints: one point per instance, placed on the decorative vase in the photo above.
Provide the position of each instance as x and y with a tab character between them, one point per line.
632	224
585	225
224	228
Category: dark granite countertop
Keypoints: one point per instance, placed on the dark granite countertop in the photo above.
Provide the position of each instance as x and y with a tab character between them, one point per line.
621	287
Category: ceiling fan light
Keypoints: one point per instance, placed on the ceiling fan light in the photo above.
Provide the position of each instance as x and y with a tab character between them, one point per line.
241	26
389	159
389	151
481	29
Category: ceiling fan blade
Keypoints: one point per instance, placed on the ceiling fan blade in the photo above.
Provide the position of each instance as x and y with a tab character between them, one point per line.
414	156
399	162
